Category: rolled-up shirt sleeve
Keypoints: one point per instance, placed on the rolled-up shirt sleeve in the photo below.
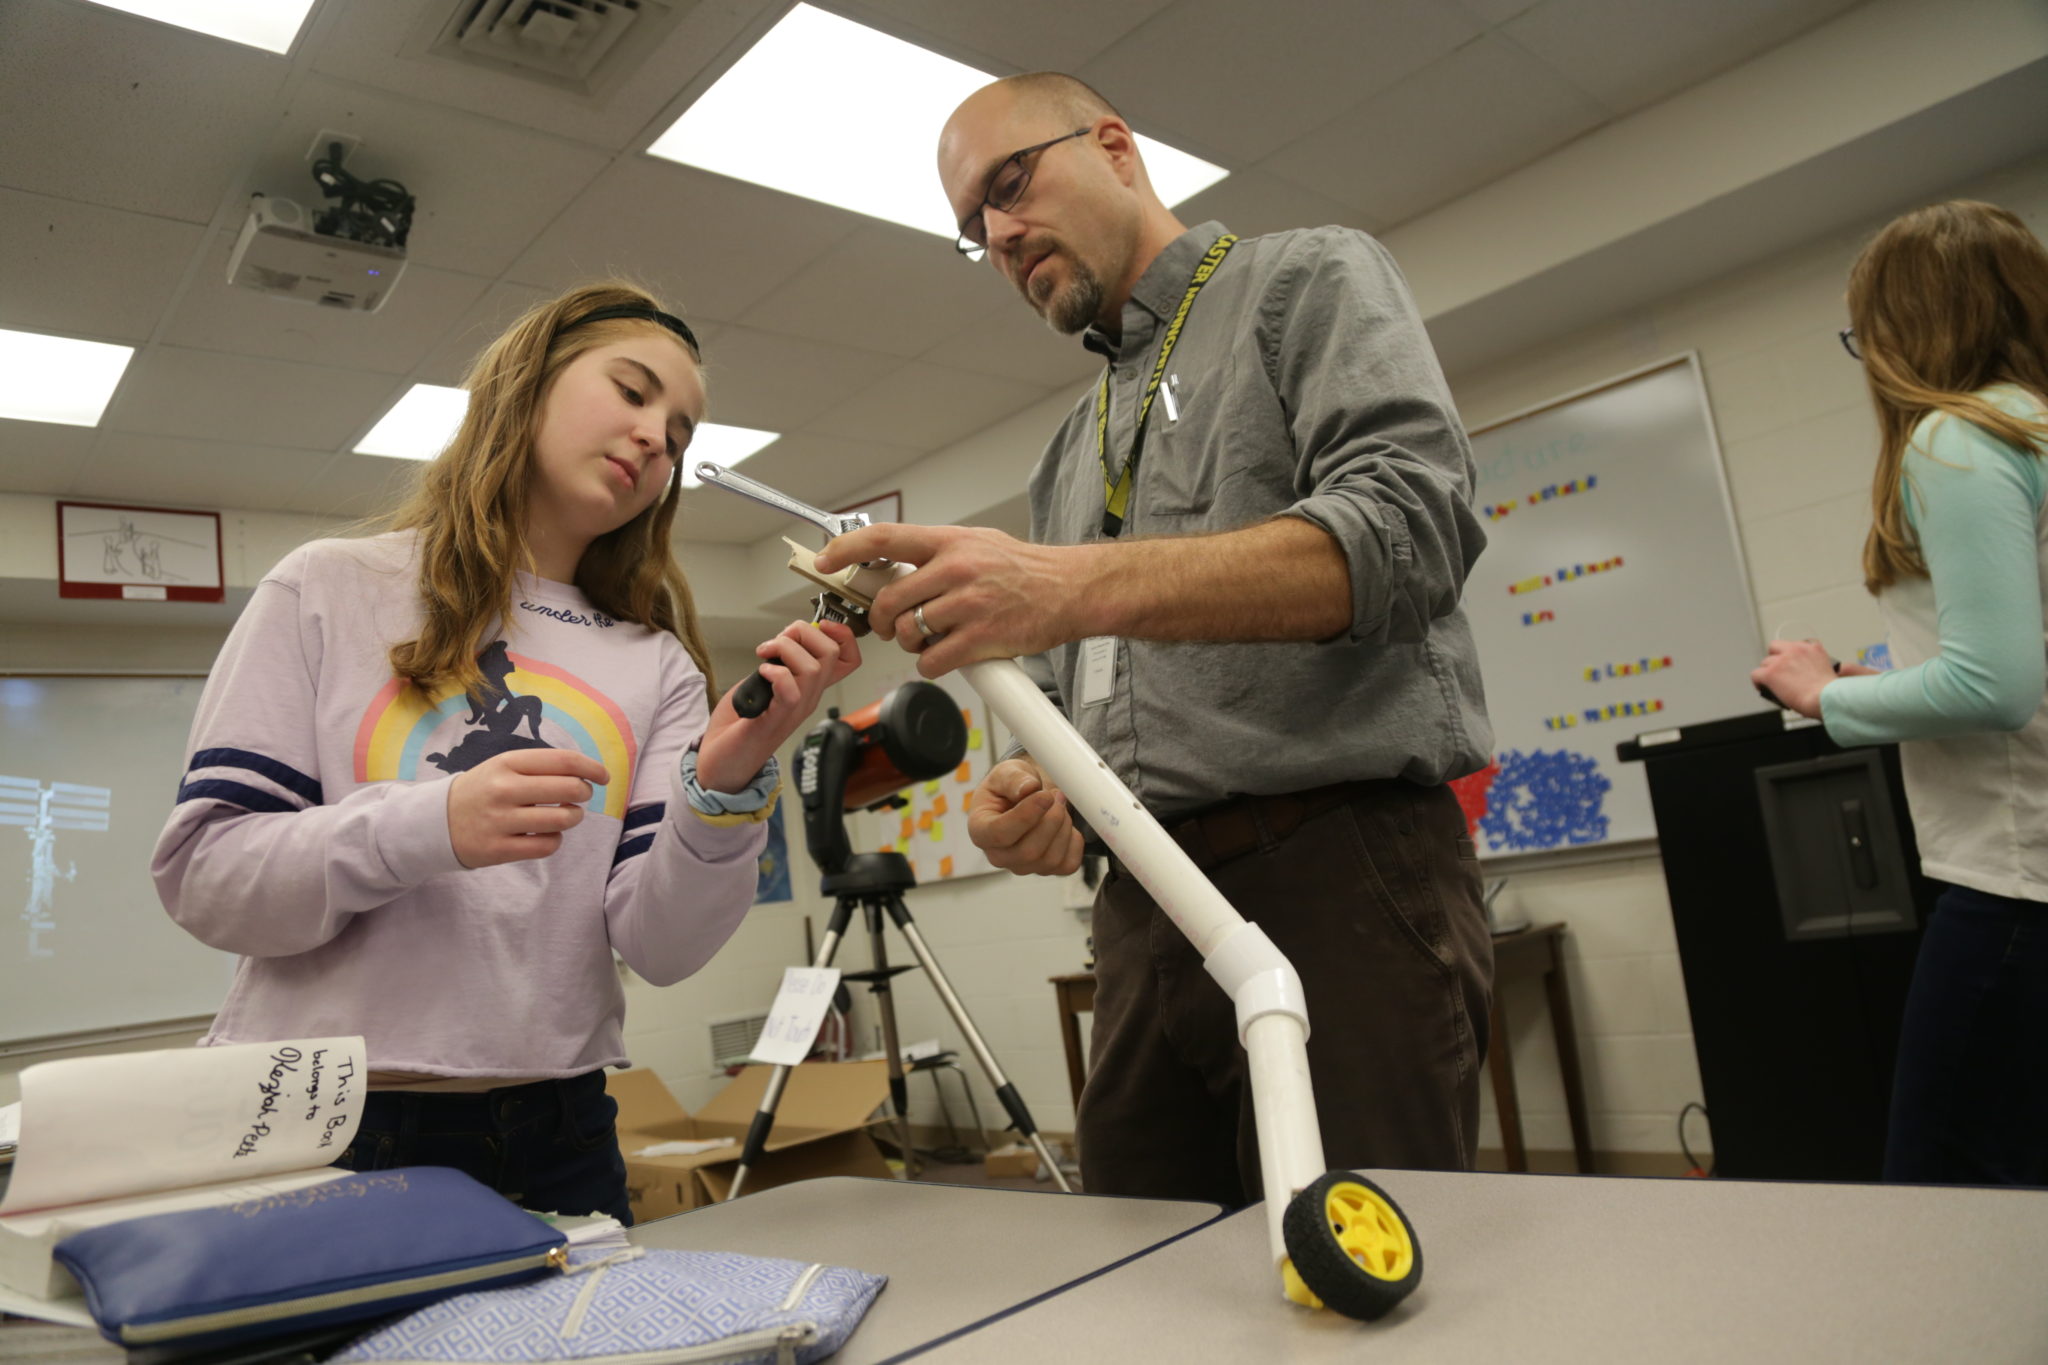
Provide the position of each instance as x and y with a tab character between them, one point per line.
1383	464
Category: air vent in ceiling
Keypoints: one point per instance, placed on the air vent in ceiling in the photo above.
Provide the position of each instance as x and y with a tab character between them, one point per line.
585	46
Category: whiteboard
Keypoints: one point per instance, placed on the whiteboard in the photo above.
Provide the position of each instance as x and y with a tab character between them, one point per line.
1611	600
89	770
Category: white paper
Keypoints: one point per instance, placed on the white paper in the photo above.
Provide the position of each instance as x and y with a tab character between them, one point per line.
685	1147
10	1124
1098	669
97	1128
794	1018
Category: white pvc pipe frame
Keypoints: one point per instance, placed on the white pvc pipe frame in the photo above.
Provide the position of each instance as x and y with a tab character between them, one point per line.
1272	1013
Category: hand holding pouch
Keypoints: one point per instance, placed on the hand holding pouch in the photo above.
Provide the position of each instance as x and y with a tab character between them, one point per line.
362	1246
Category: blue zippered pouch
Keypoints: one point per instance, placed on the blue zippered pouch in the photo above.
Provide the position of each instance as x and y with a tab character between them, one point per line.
359	1247
638	1308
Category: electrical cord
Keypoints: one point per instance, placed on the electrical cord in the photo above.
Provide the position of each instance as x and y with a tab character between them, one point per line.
1692	1163
378	212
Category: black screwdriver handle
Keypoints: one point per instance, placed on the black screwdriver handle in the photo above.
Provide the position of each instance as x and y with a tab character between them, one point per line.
751	697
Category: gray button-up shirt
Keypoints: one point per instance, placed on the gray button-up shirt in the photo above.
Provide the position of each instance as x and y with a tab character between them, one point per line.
1307	388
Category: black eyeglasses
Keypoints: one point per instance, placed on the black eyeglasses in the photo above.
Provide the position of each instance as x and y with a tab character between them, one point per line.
1005	188
1848	335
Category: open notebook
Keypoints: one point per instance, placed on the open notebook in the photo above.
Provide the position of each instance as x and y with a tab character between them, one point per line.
109	1138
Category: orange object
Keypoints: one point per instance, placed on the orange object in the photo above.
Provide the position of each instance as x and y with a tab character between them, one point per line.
924	819
963	773
945	867
939	804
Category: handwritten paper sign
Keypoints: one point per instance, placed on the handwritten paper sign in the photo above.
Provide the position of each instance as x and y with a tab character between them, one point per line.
794	1017
134	1123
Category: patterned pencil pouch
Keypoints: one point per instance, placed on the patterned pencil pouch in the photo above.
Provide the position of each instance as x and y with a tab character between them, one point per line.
643	1307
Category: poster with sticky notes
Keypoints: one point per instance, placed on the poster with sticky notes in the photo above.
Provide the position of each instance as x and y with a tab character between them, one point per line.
932	829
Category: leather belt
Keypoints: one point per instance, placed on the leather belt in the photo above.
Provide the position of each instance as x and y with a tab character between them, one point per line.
1242	824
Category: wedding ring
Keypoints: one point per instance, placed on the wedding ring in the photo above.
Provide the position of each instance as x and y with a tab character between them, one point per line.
923	627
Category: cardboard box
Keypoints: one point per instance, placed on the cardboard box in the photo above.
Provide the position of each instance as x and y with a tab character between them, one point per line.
821	1128
1017	1159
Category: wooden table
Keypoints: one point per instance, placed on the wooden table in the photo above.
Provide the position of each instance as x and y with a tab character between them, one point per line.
1536	951
1076	994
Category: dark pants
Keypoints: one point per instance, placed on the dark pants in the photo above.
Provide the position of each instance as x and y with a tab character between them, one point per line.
1375	901
551	1146
1970	1097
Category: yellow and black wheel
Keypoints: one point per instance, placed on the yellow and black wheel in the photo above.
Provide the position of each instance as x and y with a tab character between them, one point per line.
1349	1248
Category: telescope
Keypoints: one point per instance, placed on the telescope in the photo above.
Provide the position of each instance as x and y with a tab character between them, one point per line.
859	762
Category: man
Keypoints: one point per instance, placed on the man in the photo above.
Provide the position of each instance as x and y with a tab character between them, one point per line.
1246	593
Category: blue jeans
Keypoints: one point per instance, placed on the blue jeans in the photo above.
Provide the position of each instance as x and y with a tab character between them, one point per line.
552	1146
1970	1097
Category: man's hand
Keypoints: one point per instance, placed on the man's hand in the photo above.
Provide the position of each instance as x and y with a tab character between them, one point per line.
799	665
516	805
985	595
1022	823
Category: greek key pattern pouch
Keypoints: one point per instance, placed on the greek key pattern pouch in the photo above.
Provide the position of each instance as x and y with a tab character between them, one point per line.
638	1308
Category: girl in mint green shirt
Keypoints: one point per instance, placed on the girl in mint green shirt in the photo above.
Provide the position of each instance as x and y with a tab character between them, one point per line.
1950	313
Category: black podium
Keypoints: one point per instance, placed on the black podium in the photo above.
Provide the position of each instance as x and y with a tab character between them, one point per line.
1798	902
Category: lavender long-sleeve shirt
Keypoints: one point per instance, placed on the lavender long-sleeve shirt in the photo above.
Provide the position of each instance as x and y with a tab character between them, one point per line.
310	833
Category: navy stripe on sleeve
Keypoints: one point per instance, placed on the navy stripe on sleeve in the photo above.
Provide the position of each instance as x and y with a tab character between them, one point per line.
632	848
235	793
290	778
645	815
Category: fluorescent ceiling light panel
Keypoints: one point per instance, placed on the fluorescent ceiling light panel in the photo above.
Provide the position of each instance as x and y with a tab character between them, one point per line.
834	111
56	379
268	24
723	445
419	424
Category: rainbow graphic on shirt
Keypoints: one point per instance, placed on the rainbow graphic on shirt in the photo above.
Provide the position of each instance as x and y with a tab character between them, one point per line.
407	734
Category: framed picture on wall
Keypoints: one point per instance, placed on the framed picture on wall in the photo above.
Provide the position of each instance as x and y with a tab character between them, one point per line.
140	554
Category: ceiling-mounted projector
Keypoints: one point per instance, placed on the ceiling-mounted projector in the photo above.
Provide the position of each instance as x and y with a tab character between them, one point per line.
279	253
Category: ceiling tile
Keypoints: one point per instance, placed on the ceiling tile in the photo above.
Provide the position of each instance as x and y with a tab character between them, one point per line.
353	486
825	471
172	469
170	391
721	519
1012	342
42	457
369	42
1458	123
708	245
483	188
886	288
110	109
1047	35
1241	79
778	383
420	310
1629	53
1494	12
926	406
88	271
1255	201
500	306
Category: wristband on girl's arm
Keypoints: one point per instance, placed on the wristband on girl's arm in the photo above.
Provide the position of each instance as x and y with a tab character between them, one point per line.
750	805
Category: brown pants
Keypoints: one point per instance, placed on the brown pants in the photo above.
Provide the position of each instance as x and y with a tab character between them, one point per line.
1375	900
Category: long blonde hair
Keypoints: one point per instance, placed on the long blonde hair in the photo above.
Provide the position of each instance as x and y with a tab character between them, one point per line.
470	505
1945	301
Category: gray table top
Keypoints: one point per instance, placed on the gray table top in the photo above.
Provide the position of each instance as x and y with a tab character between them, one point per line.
1585	1269
954	1254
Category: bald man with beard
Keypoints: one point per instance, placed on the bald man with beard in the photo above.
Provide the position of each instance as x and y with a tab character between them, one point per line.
1248	542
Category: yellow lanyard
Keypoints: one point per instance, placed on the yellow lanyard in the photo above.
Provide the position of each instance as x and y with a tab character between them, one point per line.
1116	492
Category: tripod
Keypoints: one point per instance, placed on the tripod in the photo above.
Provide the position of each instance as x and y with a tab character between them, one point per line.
875	883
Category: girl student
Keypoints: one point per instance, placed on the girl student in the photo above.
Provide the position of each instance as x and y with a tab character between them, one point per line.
1949	314
440	774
